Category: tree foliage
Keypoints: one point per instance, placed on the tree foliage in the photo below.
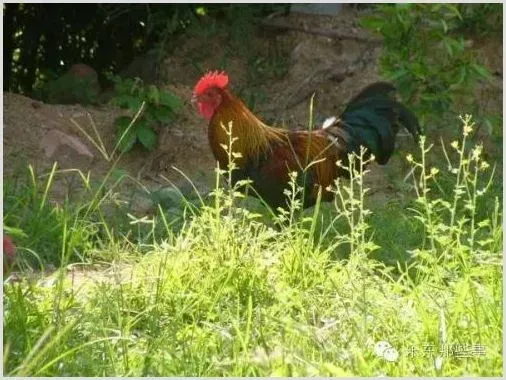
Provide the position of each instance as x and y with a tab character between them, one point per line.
41	41
426	52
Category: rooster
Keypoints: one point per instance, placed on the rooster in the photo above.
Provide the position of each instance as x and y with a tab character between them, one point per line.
268	155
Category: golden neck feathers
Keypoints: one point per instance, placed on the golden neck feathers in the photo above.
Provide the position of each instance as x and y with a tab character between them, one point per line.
253	137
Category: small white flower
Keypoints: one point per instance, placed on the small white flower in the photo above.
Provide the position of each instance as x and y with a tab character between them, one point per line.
476	153
463	322
391	354
380	347
386	351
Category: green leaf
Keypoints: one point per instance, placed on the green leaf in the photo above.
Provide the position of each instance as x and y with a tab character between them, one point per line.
481	71
397	74
454	10
448	46
147	117
428	97
445	25
162	114
122	100
124	86
126	137
14	232
489	127
462	76
134	103
122	122
334	370
147	137
117	174
170	100
126	140
137	85
154	94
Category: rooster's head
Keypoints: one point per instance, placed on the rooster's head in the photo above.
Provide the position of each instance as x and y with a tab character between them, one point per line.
207	94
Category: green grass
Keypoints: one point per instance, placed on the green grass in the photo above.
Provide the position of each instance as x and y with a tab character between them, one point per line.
234	292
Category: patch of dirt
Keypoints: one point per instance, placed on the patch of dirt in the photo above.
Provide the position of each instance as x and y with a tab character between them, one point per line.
29	124
334	70
41	134
80	279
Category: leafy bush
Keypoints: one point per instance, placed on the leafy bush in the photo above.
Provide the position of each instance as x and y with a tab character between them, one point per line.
69	89
481	19
429	62
158	108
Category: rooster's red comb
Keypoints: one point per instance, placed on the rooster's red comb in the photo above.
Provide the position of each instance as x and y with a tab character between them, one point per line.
211	79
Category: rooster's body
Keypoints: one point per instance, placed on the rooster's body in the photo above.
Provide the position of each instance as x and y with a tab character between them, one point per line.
267	155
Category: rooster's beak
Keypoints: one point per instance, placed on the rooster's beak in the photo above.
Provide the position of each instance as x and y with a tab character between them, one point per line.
193	100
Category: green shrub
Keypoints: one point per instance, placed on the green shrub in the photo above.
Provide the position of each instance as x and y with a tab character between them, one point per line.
423	55
149	106
70	89
481	20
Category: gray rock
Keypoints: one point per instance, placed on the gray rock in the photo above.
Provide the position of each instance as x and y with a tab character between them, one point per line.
65	148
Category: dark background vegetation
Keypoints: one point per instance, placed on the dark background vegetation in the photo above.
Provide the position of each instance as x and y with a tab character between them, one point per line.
42	41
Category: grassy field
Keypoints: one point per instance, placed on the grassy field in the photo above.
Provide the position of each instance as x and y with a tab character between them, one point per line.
216	289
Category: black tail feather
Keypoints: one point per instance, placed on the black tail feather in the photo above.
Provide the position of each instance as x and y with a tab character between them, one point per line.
373	118
378	88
